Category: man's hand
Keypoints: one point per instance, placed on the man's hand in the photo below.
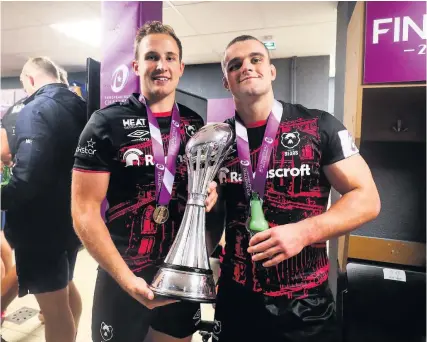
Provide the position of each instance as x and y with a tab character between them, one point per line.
138	289
212	198
278	243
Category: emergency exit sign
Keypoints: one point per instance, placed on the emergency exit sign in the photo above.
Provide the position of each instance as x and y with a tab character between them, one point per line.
270	45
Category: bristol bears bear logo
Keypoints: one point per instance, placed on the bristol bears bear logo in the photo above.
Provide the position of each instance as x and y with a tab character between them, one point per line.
290	140
216	330
106	331
190	130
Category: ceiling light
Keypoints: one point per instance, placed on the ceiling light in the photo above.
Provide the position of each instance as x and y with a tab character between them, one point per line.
88	31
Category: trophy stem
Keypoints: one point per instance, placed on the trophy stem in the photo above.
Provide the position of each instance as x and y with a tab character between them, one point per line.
189	247
202	250
178	247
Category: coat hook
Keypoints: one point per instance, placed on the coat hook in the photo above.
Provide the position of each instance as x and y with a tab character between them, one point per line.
399	127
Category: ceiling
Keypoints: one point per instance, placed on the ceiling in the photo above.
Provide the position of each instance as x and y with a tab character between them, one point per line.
204	27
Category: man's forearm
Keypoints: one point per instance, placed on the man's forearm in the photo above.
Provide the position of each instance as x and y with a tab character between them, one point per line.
94	234
351	211
215	221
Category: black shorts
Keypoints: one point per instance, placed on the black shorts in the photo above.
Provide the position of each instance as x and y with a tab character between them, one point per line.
243	315
41	271
116	316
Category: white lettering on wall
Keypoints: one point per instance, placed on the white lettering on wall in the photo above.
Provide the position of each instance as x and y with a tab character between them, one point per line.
401	28
377	30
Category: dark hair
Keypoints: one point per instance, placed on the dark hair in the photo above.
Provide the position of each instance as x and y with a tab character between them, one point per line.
244	38
153	27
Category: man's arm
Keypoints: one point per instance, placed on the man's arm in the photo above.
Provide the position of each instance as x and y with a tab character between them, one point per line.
215	221
360	203
87	194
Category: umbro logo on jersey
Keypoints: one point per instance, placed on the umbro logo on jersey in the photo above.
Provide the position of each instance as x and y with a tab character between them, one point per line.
139	135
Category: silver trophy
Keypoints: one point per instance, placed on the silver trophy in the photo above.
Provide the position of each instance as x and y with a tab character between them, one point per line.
186	273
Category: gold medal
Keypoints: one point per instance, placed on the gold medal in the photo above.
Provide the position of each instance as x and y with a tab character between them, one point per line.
161	214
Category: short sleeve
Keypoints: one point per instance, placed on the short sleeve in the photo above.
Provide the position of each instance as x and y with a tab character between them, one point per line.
94	150
336	141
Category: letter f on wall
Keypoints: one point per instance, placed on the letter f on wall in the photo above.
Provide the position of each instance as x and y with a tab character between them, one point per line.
377	30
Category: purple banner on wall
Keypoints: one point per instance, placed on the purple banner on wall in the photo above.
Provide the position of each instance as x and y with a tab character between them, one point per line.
395	42
120	22
220	110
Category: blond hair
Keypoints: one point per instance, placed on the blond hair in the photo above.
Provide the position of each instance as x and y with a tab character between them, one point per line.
46	65
63	76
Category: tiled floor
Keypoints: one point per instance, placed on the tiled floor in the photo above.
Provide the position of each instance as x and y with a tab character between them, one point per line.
85	274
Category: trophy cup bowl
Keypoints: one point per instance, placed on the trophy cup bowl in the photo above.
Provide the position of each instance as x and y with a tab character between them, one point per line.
185	273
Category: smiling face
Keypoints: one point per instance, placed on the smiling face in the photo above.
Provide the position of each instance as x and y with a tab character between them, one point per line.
247	69
158	66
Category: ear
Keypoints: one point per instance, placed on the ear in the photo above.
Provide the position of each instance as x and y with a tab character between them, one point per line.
273	72
32	82
182	67
225	83
135	67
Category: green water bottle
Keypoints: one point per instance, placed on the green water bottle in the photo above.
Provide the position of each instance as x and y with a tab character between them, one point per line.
5	175
257	222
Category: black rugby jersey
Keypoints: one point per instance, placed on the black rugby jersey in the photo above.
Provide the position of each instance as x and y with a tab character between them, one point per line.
117	140
296	189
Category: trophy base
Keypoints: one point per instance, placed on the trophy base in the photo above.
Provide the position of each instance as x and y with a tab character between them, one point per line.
184	283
